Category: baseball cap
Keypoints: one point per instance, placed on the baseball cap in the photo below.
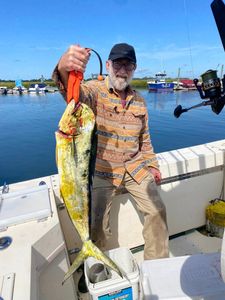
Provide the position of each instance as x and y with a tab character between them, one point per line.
122	50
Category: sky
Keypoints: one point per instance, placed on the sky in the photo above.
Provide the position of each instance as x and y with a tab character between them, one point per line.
167	35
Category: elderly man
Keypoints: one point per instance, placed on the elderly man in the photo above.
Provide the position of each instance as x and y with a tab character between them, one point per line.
125	156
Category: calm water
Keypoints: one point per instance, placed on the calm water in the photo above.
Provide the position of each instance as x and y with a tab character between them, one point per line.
28	123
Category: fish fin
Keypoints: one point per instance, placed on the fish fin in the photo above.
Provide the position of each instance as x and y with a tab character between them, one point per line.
77	262
99	255
90	250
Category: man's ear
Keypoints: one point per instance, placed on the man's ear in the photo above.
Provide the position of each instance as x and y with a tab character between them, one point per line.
107	65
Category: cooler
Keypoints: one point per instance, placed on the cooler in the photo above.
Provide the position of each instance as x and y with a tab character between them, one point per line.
114	287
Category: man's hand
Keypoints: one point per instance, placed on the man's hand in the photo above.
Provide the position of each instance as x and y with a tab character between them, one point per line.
156	174
75	58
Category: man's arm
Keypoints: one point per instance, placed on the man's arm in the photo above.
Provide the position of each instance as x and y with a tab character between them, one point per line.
74	59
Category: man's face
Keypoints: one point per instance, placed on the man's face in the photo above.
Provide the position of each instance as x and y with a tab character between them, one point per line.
120	72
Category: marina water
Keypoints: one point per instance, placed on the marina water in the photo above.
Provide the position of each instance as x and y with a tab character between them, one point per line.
28	124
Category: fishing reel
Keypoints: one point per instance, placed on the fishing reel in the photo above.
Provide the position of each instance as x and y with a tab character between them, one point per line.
210	88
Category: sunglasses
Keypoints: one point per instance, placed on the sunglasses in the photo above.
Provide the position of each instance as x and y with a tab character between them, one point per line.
127	66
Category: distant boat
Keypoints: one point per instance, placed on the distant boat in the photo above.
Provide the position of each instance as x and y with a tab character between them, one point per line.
9	91
51	89
183	84
178	85
159	84
38	88
3	90
19	90
188	84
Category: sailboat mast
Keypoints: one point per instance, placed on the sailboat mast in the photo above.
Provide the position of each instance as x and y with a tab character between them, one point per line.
178	78
189	37
221	72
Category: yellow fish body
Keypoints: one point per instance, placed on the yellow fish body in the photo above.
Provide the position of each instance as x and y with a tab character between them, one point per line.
73	151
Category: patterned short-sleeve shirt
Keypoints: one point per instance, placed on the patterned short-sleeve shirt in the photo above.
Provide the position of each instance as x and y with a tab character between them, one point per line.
124	143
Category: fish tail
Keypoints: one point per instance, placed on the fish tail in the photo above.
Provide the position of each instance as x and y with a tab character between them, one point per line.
90	250
77	262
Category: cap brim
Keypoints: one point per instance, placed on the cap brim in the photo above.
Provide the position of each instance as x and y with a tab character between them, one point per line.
114	57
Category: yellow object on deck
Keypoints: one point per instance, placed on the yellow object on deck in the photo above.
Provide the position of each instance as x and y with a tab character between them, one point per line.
215	217
215	212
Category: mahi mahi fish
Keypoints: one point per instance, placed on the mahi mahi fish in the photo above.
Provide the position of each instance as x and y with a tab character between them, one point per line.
73	152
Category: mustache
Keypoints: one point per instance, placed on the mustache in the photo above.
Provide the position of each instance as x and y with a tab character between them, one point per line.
119	81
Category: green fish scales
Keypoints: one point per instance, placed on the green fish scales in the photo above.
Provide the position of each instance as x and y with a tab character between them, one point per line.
74	152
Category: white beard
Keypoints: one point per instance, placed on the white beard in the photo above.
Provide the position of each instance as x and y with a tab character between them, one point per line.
119	82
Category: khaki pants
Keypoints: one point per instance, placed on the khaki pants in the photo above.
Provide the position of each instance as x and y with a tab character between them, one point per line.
148	201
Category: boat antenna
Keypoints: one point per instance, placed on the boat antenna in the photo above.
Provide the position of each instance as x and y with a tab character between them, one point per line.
189	37
221	71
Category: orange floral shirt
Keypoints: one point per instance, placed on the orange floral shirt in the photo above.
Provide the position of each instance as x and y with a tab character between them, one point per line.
124	143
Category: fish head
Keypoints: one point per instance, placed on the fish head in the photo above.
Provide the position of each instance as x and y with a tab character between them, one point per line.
70	121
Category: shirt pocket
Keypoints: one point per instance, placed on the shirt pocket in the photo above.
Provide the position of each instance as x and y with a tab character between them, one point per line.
104	111
109	112
138	120
106	118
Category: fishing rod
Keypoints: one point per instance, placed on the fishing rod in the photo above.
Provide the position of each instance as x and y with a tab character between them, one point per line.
211	87
100	76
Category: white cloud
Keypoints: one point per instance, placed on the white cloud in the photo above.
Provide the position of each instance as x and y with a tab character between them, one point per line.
173	52
142	70
47	48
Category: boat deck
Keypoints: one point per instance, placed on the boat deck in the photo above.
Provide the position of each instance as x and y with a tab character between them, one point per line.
33	266
188	243
37	235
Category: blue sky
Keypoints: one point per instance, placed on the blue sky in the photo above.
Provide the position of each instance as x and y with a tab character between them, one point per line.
166	34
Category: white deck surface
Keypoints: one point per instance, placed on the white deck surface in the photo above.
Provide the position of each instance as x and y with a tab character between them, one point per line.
29	252
38	251
192	242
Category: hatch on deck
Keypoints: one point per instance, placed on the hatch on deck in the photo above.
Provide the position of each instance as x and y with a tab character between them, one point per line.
23	206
